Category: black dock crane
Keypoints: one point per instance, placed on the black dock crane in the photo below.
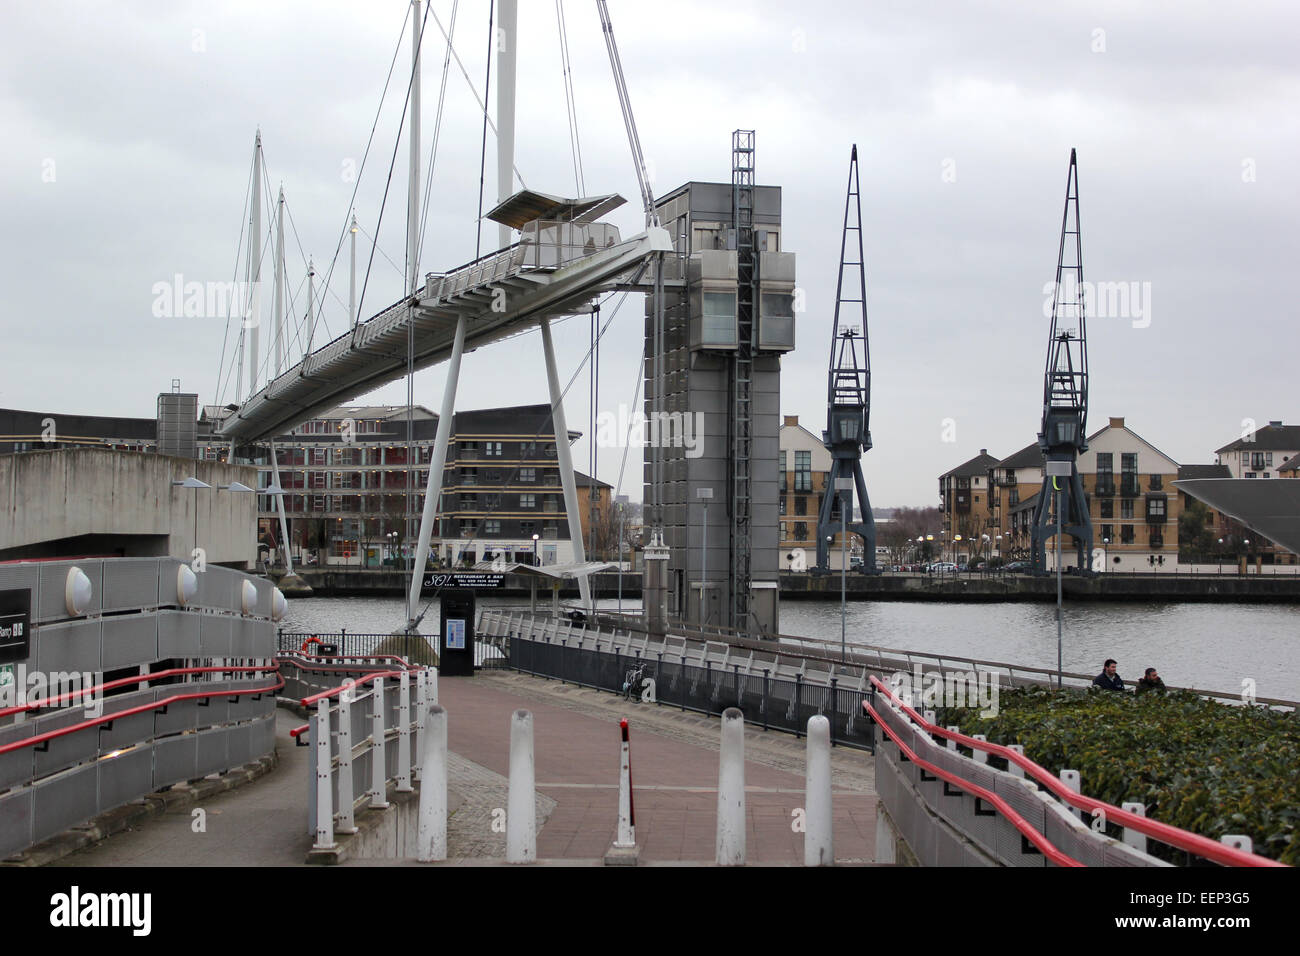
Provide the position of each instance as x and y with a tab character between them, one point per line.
1065	398
848	394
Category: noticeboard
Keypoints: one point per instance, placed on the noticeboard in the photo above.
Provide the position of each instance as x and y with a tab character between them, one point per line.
15	625
478	580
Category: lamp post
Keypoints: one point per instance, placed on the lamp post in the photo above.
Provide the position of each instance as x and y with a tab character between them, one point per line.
1105	542
621	502
1220	555
192	482
535	564
1246	542
704	495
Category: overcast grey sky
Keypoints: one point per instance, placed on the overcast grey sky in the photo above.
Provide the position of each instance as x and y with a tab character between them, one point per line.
129	131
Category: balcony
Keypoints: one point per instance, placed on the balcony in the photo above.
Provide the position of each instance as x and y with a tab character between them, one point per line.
1156	538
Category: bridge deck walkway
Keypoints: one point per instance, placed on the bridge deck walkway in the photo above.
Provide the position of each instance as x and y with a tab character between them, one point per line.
674	769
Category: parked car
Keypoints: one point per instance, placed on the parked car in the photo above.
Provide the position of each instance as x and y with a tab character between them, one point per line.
1016	567
942	567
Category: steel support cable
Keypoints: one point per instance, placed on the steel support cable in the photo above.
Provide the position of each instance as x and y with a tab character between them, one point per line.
437	126
482	163
537	434
570	101
474	91
218	391
392	164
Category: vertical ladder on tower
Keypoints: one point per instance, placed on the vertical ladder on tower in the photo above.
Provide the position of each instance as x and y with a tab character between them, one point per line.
742	375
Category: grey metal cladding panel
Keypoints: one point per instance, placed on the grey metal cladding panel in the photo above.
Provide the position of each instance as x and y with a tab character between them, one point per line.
242	637
214	709
263	638
167	580
178	634
1073	842
239	744
69	749
129	640
180	714
126	777
64	801
17	765
15	822
130	583
262	740
70	646
1115	853
215	635
1010	843
212	752
130	730
175	760
217	589
54	578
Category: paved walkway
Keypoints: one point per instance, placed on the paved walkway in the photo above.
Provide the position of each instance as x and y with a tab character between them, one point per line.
576	736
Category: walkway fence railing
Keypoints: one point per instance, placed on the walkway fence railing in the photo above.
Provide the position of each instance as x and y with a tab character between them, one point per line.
954	808
366	731
415	648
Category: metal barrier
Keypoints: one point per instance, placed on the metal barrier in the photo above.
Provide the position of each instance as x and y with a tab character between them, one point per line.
768	693
362	735
934	794
360	645
138	674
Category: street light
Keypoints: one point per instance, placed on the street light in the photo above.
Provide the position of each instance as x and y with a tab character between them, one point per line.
704	495
955	539
192	482
1220	555
535	550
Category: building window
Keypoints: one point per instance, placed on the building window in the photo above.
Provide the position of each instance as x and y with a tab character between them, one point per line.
468	502
780	481
1250	474
803	471
1107	508
1127	535
782	504
718	318
1107	533
800	531
1156	510
1157	482
800	505
527	474
1126	508
492	526
492	448
526	528
527	501
467	527
491	501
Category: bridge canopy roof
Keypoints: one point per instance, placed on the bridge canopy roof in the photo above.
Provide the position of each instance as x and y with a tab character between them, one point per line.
527	205
1271	508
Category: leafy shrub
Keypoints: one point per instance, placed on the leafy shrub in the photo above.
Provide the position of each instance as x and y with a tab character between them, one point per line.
1204	766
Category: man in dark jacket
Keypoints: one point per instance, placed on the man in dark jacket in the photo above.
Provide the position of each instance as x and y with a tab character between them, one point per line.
1150	681
1108	679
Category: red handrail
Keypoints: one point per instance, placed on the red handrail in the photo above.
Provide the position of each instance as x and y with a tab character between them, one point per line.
125	681
1015	819
153	705
1163	832
308	701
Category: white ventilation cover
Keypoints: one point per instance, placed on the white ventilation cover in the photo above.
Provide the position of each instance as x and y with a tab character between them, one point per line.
77	592
279	605
187	585
250	597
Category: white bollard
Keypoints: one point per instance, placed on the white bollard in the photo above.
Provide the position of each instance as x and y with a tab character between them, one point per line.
817	845
626	836
731	790
980	756
431	837
346	799
521	814
1014	768
433	685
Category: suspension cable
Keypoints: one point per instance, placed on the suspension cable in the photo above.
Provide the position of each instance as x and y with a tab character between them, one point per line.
482	163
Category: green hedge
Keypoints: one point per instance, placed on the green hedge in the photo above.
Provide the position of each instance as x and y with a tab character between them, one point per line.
1207	767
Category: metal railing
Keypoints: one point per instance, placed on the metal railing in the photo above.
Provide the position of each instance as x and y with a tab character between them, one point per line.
353	726
894	709
343	647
